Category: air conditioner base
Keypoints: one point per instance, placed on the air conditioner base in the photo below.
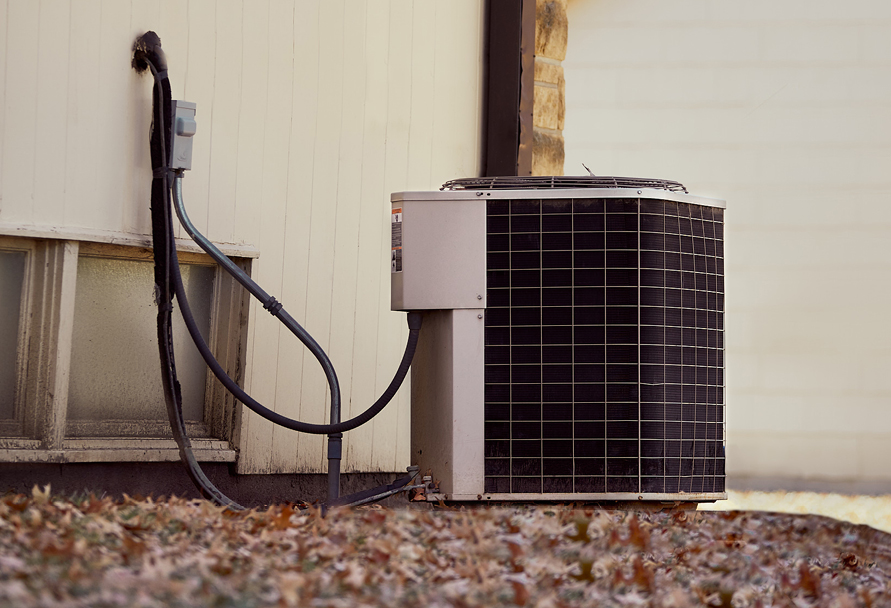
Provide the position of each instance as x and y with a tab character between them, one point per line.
681	497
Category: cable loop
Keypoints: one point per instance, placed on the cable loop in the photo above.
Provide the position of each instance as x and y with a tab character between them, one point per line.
168	275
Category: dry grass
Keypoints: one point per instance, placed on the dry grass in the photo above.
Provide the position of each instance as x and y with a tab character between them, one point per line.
97	552
873	511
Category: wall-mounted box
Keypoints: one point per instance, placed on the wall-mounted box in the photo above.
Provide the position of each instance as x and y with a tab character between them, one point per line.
438	252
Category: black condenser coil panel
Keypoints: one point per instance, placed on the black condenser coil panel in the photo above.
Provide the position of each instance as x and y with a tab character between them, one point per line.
604	341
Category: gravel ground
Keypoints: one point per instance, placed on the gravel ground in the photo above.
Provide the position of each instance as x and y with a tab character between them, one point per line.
97	552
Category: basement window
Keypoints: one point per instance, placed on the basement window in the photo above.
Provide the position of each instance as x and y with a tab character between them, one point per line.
115	378
79	363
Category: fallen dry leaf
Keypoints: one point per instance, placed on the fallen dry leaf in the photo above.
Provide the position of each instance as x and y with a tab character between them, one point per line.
177	552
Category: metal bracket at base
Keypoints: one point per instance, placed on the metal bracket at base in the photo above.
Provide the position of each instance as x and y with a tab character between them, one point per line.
378	493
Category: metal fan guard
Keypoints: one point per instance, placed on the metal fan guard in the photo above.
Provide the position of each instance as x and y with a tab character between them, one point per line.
560	182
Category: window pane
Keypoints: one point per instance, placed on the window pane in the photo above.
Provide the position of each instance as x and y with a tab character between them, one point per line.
12	274
115	369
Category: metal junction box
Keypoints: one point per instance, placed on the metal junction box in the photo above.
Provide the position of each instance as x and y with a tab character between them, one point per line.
573	339
184	128
438	252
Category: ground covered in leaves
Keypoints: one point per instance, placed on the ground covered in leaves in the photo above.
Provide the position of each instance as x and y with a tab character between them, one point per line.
98	552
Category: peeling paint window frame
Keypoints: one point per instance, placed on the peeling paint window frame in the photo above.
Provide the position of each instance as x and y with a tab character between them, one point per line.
40	426
12	427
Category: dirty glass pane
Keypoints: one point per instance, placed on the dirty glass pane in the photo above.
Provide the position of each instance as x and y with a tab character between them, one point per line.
12	275
115	370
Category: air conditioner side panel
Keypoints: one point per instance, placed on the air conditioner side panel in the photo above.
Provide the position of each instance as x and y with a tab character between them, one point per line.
468	363
447	400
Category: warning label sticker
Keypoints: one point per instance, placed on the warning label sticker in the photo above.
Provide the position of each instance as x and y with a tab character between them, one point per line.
396	240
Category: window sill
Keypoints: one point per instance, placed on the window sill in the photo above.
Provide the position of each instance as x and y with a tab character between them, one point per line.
116	238
114	450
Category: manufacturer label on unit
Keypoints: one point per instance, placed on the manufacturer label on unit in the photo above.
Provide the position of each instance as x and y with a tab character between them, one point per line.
396	240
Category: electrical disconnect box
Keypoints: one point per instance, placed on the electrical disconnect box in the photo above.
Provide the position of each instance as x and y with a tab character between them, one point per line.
440	261
573	338
184	127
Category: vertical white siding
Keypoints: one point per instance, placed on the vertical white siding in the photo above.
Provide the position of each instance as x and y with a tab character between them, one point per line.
83	120
120	167
272	207
298	226
4	20
348	201
20	111
783	109
368	370
310	112
49	136
221	171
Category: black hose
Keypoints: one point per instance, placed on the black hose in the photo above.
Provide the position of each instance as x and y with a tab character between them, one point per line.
414	326
269	303
177	424
149	54
414	320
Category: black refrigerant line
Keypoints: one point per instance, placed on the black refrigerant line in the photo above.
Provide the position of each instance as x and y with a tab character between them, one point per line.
168	283
414	326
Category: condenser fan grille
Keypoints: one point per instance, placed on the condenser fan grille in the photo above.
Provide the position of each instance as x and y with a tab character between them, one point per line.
560	182
604	356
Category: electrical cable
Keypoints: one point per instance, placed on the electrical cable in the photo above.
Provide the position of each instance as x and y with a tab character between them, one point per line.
414	325
269	303
148	53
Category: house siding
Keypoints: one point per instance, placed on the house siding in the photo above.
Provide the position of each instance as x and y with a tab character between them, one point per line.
782	109
309	115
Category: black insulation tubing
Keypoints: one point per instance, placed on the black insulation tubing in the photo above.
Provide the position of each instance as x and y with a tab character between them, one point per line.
414	326
269	303
174	408
149	54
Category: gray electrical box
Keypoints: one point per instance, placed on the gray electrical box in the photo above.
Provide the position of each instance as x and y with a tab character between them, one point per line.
438	251
184	127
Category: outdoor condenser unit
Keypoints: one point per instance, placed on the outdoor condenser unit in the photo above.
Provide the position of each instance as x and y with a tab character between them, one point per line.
573	338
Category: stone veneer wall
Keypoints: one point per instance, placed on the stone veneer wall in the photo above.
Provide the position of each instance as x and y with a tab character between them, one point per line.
551	28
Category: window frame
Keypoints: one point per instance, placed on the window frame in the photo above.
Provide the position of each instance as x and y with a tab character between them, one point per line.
40	430
14	427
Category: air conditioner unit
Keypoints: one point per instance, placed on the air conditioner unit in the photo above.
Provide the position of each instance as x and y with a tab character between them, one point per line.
573	338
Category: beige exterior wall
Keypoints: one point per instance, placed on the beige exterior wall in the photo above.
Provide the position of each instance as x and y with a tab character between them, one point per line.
310	113
784	110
